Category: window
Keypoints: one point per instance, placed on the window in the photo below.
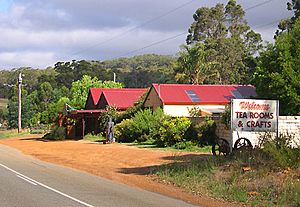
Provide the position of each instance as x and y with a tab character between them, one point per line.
193	96
236	94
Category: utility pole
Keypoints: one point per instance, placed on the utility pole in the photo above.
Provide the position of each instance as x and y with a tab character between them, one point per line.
19	102
115	76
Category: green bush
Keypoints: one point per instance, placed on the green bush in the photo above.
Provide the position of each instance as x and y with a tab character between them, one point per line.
279	150
146	124
226	116
192	134
123	131
143	126
206	132
172	131
57	133
104	118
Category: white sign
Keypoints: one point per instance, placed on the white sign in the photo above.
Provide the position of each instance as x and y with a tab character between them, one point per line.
254	115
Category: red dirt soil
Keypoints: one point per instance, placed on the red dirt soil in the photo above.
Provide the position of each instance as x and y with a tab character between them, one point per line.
120	163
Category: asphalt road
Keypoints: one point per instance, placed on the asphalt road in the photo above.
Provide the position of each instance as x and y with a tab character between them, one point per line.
28	182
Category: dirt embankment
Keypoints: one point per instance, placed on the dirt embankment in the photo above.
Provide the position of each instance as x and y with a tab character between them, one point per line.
125	164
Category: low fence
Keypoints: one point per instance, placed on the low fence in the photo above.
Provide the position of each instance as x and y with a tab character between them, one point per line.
287	125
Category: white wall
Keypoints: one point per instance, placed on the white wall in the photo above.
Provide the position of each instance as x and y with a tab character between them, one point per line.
183	110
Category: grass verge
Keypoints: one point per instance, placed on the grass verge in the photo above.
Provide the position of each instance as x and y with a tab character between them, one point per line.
246	178
180	147
13	133
95	138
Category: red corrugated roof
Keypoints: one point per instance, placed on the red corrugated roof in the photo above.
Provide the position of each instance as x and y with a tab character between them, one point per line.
208	94
123	99
96	93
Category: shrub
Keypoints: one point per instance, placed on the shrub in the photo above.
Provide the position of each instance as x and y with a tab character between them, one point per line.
146	124
206	132
172	131
192	134
280	151
124	131
57	133
143	126
104	117
195	112
226	116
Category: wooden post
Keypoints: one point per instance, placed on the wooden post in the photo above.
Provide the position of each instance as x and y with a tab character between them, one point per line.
19	103
231	125
82	121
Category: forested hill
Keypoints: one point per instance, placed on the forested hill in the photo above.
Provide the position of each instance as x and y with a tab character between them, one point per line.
138	71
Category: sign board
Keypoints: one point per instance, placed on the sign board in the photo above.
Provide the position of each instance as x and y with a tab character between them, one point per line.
254	115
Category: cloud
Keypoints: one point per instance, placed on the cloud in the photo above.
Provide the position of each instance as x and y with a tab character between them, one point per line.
26	59
5	4
49	31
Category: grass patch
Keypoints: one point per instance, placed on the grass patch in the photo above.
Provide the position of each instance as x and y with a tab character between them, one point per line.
179	147
95	137
223	177
13	133
38	131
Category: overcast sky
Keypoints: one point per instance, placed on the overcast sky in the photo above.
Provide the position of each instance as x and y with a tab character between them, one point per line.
39	33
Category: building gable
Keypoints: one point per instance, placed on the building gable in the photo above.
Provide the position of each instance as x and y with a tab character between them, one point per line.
121	99
152	99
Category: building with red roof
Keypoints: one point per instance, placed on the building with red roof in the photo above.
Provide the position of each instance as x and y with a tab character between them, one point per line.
94	96
88	119
120	99
179	99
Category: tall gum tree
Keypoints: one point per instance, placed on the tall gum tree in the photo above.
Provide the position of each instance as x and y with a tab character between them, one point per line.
288	23
277	75
229	43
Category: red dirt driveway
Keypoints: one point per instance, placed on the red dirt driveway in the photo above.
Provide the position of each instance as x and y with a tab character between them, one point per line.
121	163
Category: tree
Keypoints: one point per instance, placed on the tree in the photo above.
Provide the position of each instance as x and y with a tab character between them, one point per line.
45	95
288	23
68	72
228	43
51	113
192	66
12	107
80	89
277	75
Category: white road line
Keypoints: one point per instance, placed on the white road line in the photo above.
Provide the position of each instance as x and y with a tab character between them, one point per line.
45	186
26	180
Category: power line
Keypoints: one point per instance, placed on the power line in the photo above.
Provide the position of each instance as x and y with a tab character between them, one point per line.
175	36
152	44
134	28
258	5
265	25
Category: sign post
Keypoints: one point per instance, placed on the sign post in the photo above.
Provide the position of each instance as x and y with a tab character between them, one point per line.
252	115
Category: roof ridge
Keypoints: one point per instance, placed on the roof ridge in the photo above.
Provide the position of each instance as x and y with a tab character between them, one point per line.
174	84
